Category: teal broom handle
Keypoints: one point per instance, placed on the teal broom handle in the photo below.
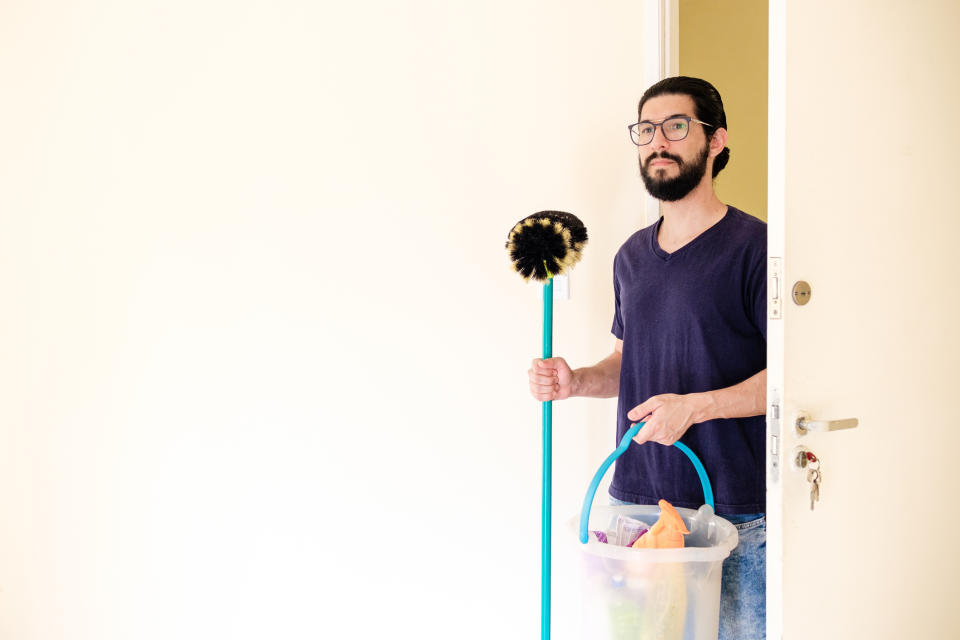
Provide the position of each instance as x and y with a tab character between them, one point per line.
547	469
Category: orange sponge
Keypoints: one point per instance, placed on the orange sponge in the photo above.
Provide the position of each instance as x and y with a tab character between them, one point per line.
667	533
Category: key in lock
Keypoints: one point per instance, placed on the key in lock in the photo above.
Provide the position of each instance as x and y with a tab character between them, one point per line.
813	477
807	460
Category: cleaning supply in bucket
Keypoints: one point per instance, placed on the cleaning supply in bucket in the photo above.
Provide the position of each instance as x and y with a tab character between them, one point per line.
665	611
628	593
667	533
624	533
666	585
601	537
629	530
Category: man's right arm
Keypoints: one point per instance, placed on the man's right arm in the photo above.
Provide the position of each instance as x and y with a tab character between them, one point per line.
553	379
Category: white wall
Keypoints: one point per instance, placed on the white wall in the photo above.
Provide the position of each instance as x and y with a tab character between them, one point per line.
263	355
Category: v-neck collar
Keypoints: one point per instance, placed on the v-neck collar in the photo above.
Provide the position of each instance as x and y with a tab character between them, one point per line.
663	255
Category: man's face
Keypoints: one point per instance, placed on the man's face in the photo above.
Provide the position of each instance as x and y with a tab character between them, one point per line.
672	169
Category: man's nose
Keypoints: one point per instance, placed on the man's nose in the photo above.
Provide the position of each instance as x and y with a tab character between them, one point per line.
659	140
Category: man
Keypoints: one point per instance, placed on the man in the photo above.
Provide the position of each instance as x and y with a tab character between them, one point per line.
690	328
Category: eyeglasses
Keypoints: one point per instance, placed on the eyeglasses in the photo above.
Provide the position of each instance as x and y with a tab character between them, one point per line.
674	128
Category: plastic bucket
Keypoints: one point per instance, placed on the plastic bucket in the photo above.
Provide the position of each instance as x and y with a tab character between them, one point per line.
653	594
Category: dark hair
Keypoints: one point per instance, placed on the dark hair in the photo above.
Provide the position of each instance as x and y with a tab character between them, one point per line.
707	106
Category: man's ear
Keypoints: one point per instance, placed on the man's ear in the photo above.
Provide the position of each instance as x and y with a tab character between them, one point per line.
717	142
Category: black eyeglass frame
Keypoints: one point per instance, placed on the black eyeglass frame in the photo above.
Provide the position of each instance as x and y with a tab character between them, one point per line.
635	135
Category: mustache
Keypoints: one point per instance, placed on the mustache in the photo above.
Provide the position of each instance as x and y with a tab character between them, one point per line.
664	155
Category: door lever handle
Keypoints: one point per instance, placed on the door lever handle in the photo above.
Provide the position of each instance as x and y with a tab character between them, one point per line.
805	424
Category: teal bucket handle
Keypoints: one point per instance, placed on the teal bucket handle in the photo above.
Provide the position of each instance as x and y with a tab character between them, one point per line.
619	451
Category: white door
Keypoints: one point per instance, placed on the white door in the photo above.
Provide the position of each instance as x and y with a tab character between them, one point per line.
864	140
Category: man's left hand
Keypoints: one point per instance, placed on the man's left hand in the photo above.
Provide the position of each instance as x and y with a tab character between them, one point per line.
667	417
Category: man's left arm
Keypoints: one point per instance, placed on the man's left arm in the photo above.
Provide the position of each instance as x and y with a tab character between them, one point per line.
668	416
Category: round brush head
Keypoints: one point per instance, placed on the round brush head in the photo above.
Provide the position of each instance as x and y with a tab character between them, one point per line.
546	244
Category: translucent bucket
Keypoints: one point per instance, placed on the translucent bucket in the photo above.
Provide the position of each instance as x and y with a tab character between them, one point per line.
653	594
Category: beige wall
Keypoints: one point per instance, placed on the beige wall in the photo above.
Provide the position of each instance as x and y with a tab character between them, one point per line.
726	44
264	360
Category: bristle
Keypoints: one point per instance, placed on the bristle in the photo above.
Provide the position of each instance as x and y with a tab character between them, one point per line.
545	244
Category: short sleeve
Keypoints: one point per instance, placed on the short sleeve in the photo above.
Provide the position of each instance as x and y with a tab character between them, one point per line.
617	328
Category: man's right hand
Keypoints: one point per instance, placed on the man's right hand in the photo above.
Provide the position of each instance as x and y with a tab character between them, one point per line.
550	379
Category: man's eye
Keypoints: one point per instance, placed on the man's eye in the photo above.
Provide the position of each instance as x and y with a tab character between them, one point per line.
679	125
646	129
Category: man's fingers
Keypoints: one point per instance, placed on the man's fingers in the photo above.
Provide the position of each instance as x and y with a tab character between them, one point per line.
643	435
543	385
544	396
545	388
550	364
543	378
651	433
539	390
537	369
650	436
641	411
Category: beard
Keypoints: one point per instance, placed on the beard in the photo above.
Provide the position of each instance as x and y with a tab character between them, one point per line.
671	189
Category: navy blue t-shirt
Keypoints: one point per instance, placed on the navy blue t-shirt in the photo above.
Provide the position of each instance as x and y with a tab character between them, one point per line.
693	320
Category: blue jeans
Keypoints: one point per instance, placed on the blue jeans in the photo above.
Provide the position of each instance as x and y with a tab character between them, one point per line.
743	585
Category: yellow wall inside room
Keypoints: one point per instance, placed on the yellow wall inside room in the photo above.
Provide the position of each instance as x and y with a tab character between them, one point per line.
726	44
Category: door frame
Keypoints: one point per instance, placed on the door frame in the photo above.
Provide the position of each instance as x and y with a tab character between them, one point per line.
661	51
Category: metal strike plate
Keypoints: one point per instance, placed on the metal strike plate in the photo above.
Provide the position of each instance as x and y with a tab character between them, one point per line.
801	293
774	297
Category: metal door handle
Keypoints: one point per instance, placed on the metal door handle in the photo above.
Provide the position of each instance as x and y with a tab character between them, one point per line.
805	424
